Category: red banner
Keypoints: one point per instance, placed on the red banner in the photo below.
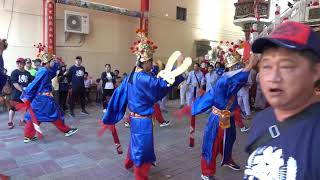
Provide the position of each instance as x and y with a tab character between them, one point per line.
51	26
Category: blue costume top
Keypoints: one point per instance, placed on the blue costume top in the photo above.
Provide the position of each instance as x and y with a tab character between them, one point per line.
155	70
219	71
140	96
3	77
44	106
227	86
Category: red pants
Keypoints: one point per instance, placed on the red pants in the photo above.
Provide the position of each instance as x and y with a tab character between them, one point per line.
157	115
209	169
3	177
140	172
237	117
30	132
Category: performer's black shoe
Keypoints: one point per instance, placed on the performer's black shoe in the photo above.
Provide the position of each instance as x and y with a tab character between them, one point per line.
10	125
27	140
233	166
165	123
164	111
126	124
207	177
84	112
71	132
244	129
154	164
72	114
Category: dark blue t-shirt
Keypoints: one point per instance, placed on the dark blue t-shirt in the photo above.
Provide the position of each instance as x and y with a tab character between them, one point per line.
23	78
63	83
2	75
295	154
76	76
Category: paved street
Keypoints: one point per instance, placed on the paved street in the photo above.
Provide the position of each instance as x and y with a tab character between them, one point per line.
85	156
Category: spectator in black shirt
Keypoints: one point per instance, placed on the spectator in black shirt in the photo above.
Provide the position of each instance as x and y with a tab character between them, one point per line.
63	87
116	74
20	79
76	78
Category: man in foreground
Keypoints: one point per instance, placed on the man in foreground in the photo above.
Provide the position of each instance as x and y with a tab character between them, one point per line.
284	141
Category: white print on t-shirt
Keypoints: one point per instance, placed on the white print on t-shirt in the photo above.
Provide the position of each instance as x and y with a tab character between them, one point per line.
23	78
267	163
79	73
108	85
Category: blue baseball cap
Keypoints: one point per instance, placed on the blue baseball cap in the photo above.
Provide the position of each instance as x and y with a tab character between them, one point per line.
290	35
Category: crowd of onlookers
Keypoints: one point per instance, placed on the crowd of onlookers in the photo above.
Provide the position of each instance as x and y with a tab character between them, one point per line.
69	86
74	85
205	76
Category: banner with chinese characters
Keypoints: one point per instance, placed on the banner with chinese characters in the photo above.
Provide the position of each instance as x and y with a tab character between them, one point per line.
51	26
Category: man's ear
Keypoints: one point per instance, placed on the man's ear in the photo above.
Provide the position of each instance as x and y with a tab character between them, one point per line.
317	72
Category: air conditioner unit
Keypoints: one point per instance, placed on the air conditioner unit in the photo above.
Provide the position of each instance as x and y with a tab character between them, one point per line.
313	14
76	22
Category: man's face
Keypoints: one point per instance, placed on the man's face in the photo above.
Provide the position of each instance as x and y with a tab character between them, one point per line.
210	69
78	62
37	64
52	63
28	64
147	66
107	68
20	65
287	79
195	67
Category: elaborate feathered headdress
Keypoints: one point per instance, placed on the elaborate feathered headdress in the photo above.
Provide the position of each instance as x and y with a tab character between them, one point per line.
143	47
230	53
43	54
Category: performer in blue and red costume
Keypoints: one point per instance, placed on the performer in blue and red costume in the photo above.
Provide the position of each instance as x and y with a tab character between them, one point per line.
40	103
3	77
140	91
157	114
220	131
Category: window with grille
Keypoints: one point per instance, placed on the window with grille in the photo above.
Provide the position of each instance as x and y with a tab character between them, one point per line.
181	13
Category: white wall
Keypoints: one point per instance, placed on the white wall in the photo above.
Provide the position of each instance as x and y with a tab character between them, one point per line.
108	42
206	19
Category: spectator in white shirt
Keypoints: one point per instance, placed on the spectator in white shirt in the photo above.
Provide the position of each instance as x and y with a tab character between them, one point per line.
108	81
87	85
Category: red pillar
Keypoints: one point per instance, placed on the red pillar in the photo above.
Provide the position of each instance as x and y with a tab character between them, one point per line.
144	20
